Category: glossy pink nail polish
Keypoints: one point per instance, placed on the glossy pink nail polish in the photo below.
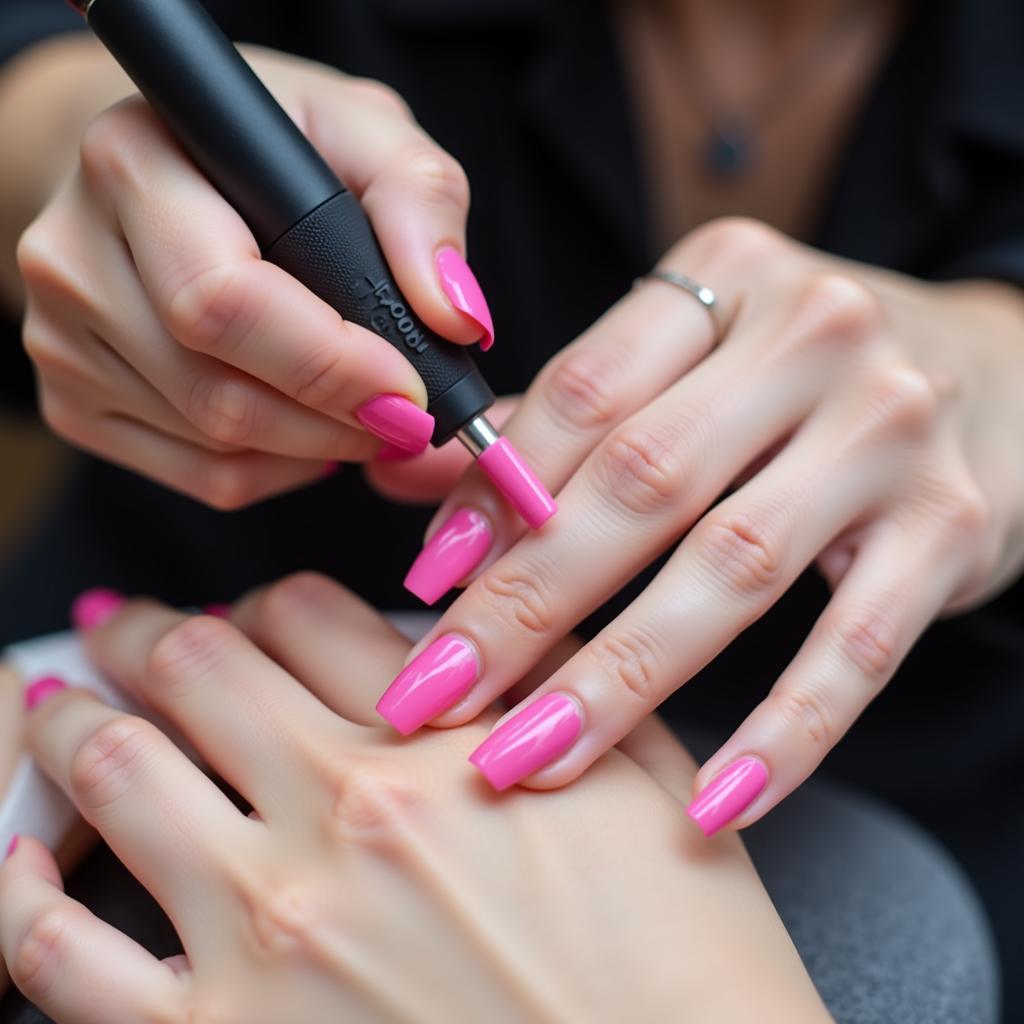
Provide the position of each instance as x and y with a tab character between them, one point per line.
453	552
218	610
463	290
93	607
528	740
728	794
517	482
396	420
432	682
42	690
12	846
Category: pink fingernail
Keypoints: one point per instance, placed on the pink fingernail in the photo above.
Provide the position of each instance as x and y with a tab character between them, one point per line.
463	291
529	740
93	607
396	420
517	482
218	610
728	794
453	552
42	690
431	683
330	469
12	846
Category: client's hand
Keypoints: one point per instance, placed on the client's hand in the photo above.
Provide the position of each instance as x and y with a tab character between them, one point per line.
378	879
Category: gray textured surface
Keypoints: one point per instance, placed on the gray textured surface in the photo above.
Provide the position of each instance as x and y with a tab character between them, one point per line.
887	924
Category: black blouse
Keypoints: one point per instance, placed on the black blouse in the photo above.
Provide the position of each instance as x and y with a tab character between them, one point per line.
530	97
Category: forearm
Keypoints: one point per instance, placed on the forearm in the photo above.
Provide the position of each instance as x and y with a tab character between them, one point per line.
48	95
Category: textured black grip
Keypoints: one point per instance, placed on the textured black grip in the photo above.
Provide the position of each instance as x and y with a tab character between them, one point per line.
334	253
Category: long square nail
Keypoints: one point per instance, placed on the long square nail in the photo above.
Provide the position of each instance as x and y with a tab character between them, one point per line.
728	794
432	682
453	552
528	740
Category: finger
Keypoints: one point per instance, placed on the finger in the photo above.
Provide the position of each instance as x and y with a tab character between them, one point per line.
200	266
417	198
248	719
655	748
898	582
647	341
220	403
168	823
429	477
732	567
73	966
644	486
325	636
223	480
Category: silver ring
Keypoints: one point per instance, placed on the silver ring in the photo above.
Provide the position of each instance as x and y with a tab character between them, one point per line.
701	292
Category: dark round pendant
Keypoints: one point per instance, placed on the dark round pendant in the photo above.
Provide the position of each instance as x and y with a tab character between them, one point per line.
729	150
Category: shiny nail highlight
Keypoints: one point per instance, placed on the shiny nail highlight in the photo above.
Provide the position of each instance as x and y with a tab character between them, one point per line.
516	481
396	420
94	607
728	794
453	552
527	741
463	290
42	690
432	682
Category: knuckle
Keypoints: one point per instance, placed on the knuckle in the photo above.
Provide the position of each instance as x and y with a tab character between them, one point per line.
370	803
837	309
965	513
100	143
807	708
112	143
631	659
581	391
36	963
439	177
213	308
519	597
109	760
868	641
188	652
369	92
321	376
289	599
34	253
737	237
904	401
222	408
640	469
284	918
224	483
741	552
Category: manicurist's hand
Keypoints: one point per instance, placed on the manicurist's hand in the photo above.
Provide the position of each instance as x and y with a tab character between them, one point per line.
865	422
376	880
163	342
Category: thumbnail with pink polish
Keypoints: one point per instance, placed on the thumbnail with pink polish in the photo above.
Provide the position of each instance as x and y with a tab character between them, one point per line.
432	682
93	607
396	420
728	794
42	690
12	846
463	290
218	610
517	482
541	732
454	551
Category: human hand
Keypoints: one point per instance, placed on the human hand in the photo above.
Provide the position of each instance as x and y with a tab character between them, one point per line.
868	423
164	343
376	880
